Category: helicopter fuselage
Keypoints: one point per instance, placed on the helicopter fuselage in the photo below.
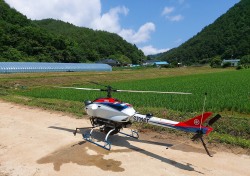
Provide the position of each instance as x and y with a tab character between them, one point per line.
110	109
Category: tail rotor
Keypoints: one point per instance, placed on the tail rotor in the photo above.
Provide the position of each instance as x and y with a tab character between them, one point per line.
200	134
214	119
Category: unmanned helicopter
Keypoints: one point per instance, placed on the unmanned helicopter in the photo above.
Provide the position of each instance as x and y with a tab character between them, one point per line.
111	115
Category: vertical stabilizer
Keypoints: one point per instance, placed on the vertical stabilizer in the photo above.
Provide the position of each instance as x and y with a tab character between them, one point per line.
198	120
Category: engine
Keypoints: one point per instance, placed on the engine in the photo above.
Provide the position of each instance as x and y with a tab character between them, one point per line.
106	125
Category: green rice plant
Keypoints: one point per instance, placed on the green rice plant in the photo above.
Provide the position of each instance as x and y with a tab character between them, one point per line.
225	91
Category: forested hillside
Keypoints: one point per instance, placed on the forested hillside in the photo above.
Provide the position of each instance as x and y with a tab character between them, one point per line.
94	44
22	39
228	37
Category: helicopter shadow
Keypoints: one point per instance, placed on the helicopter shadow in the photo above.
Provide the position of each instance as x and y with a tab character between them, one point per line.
116	140
123	141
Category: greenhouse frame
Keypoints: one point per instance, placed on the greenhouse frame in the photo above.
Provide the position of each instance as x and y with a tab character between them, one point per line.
32	67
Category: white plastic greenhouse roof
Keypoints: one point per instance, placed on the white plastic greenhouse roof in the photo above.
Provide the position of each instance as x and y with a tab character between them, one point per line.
25	67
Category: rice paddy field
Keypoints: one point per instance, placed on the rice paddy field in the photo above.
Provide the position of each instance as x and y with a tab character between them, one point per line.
228	93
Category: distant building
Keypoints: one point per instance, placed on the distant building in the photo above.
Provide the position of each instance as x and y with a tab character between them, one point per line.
30	67
179	64
110	62
161	63
233	62
155	63
134	65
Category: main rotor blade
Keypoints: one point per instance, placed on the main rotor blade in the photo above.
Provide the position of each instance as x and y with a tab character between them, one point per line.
79	88
140	91
134	91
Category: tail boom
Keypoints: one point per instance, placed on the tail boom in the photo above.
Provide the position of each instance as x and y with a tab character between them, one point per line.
193	125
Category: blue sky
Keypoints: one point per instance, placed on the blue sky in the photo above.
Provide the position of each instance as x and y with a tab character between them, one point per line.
153	25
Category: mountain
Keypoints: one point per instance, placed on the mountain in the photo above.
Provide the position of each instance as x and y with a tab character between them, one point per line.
95	44
51	40
22	40
227	37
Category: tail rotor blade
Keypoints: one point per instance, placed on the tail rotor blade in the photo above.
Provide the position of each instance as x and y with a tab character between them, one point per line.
214	119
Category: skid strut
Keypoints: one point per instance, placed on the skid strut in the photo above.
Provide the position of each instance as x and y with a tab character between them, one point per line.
107	144
204	144
199	136
134	134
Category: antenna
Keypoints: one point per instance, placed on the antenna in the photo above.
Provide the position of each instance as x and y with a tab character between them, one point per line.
203	109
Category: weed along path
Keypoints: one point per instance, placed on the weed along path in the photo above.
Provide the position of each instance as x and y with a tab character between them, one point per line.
36	142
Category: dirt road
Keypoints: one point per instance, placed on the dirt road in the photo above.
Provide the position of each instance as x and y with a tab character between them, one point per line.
36	142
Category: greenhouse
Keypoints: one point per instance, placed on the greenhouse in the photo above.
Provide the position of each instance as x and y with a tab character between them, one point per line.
29	67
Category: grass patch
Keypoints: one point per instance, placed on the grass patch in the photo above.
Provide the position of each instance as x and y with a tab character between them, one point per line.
225	92
229	139
72	107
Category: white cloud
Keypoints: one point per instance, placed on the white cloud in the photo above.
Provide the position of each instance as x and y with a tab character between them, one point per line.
175	18
141	36
78	12
86	13
109	21
167	10
150	50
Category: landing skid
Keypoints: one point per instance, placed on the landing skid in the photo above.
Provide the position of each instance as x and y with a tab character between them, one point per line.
107	143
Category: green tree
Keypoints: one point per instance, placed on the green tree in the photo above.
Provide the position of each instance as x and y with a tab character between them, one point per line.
245	61
12	54
122	59
216	62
